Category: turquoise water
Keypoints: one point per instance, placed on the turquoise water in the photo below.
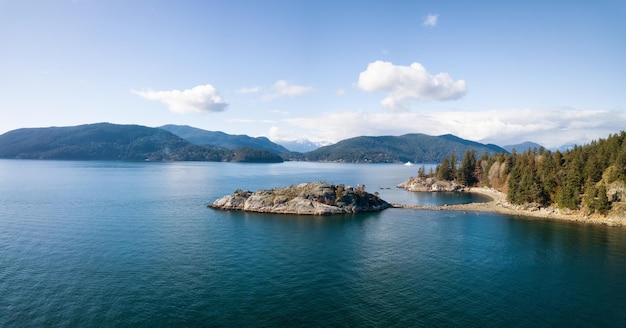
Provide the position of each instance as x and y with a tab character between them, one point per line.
133	244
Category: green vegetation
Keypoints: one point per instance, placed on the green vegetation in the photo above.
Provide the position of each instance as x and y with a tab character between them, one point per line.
465	175
250	155
417	148
589	178
223	140
104	141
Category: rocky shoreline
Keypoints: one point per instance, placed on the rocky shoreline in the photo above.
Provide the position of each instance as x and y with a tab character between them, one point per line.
499	204
315	198
321	198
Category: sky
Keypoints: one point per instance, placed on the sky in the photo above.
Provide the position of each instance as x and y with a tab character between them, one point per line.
503	72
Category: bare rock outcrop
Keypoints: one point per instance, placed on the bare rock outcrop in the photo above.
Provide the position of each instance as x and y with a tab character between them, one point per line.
617	191
317	198
430	184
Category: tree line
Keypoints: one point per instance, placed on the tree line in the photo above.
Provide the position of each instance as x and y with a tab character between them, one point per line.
576	179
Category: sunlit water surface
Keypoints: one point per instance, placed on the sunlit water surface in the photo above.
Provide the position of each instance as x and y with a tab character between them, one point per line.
133	244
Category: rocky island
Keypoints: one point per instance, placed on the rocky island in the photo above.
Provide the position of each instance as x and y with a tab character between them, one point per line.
314	198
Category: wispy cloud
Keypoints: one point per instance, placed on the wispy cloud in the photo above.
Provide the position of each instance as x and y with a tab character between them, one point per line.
244	91
549	127
201	99
247	120
431	20
408	82
283	88
282	112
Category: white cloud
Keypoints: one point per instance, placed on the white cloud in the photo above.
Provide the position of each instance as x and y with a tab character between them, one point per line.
430	20
244	91
276	134
408	82
247	120
201	98
284	88
341	92
282	112
548	127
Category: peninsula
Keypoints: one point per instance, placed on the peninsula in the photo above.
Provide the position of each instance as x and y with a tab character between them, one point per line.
315	198
586	183
499	203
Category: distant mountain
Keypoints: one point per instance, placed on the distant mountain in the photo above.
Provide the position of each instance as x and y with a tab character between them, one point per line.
221	139
566	147
522	147
417	148
301	145
105	141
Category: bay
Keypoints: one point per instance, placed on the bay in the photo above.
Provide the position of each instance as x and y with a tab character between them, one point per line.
133	244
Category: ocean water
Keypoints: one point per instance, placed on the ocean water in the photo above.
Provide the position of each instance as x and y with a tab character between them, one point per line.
120	244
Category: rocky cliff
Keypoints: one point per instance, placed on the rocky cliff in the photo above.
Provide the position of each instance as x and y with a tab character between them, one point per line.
317	198
430	184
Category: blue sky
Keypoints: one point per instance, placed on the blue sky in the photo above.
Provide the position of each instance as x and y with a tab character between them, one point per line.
552	72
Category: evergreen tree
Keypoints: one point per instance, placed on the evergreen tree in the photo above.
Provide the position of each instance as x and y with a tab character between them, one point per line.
620	161
465	173
443	170
513	194
593	168
509	162
453	162
570	190
591	192
421	172
568	197
548	177
530	180
602	202
451	174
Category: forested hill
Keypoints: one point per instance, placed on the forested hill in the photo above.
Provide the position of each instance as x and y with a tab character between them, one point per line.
105	141
416	148
589	178
221	139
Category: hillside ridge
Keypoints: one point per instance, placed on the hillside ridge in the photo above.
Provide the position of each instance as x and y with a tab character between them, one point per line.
107	141
414	147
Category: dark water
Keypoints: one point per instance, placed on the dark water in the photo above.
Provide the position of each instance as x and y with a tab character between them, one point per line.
132	244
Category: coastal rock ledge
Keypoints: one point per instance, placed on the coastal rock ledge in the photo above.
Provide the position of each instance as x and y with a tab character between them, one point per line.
430	185
314	198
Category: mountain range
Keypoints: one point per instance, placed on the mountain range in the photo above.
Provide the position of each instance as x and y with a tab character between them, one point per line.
221	139
301	145
522	147
416	148
105	141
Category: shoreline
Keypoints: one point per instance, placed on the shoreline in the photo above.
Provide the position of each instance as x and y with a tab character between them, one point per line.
498	204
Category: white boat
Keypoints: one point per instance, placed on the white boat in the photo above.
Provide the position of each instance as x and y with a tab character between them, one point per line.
408	163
